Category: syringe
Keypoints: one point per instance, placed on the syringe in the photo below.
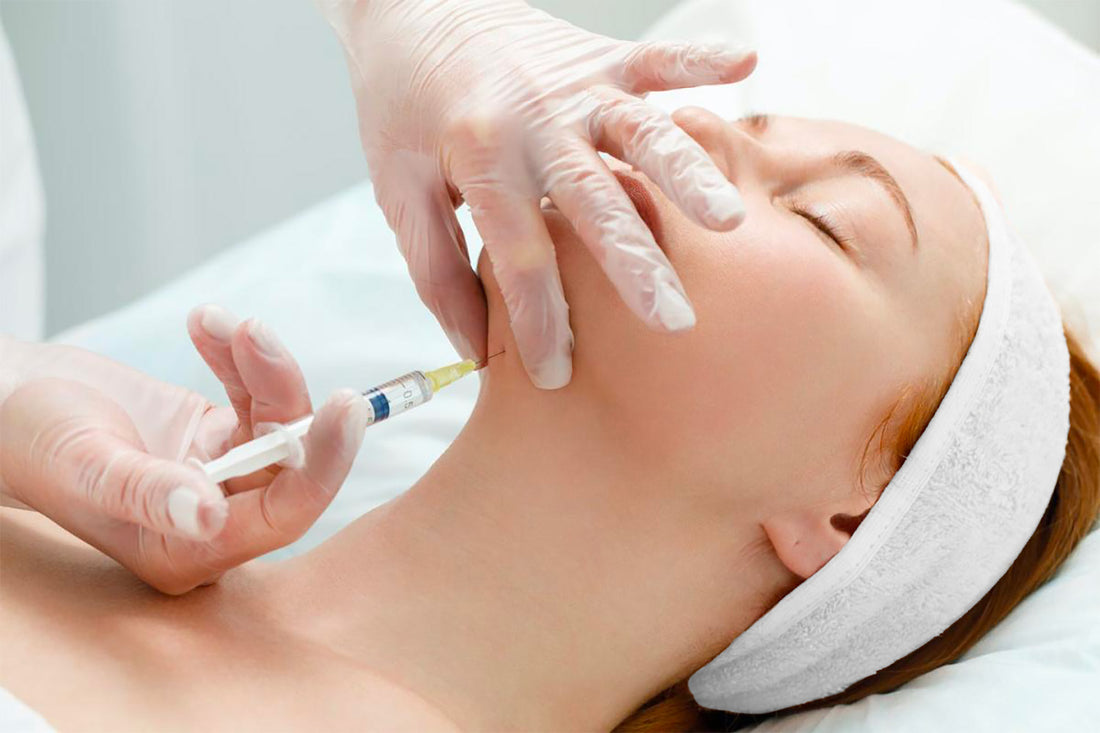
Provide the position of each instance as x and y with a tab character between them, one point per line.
386	400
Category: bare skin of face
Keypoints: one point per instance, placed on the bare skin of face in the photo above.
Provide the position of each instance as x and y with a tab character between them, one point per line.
573	552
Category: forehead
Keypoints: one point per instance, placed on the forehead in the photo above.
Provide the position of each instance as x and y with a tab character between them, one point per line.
948	271
947	216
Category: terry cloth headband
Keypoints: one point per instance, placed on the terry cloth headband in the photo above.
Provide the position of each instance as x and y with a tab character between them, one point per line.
948	525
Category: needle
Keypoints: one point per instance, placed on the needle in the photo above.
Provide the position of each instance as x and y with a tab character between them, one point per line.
483	364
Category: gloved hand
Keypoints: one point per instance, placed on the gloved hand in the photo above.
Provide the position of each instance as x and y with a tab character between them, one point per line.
498	104
100	448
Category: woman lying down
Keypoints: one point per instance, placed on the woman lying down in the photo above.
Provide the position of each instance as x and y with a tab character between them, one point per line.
875	442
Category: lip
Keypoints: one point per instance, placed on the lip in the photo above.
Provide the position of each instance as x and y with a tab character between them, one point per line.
643	201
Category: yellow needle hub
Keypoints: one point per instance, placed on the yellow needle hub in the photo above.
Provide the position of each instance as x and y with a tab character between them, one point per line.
440	378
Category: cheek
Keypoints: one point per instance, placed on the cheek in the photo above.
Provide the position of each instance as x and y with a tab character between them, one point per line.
610	344
782	322
784	327
787	354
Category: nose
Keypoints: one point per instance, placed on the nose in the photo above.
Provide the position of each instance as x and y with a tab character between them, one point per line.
736	152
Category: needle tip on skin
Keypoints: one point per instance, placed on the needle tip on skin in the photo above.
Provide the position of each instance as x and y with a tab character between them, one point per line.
485	362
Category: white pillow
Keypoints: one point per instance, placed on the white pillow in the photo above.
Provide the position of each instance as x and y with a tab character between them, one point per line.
986	79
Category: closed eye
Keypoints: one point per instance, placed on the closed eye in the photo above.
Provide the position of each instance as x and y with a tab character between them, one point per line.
824	227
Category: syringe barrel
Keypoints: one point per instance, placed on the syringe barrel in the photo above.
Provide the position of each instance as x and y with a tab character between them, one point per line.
397	396
391	398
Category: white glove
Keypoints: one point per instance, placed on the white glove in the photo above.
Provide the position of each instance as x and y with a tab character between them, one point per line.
498	104
100	448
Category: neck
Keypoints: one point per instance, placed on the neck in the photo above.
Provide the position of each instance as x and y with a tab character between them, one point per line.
539	560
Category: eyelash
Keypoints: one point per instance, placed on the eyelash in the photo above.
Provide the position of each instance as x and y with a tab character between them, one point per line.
825	226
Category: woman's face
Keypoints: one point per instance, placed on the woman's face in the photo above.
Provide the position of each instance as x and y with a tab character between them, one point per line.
807	331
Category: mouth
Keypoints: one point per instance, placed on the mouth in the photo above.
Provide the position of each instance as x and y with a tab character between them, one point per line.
643	201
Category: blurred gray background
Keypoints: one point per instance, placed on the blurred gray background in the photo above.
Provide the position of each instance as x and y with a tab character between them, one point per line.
170	129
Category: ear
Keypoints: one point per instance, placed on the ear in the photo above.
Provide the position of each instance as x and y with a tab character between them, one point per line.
806	539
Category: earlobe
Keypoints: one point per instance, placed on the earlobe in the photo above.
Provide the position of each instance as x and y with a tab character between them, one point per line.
805	540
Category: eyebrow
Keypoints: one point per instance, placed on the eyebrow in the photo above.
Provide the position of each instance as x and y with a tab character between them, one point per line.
756	122
862	164
859	163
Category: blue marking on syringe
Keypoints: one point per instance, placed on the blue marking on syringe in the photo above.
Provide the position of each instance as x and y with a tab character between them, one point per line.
380	404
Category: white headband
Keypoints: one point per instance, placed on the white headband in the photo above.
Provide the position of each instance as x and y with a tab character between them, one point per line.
948	525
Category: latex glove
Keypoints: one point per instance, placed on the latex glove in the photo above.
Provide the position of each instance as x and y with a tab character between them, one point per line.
100	448
498	104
